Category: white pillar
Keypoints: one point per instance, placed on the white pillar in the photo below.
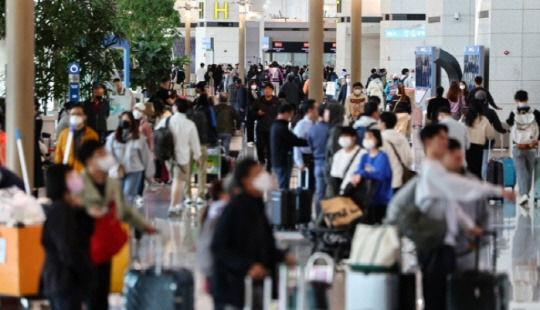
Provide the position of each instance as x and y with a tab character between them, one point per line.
20	83
316	49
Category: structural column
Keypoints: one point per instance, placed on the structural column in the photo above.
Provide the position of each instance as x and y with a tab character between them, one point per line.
187	46
356	41
242	42
20	83
316	49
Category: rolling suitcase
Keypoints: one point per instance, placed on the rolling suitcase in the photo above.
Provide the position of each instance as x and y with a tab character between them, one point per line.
537	182
479	290
303	201
282	209
159	288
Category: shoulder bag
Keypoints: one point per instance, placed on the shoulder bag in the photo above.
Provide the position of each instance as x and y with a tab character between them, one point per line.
407	172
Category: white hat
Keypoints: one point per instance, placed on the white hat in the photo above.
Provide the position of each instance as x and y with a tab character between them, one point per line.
140	106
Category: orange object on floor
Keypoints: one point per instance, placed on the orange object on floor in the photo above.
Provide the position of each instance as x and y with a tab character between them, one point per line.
119	265
21	260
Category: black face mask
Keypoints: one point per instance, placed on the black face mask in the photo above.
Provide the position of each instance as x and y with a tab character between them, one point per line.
125	124
99	98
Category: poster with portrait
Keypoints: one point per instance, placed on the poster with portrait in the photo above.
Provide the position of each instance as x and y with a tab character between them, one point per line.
425	67
473	64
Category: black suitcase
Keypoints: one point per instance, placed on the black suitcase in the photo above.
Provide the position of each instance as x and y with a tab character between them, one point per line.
479	290
407	291
282	209
303	202
158	288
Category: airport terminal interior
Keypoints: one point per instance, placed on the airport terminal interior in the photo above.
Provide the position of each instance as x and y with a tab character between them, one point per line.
270	154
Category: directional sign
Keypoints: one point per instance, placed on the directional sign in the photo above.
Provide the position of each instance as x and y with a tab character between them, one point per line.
74	71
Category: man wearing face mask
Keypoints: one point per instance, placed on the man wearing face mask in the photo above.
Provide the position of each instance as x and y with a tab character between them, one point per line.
82	133
303	157
266	110
243	243
282	141
101	195
354	104
97	109
344	90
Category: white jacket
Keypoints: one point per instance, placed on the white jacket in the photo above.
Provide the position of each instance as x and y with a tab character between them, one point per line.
186	138
376	88
400	143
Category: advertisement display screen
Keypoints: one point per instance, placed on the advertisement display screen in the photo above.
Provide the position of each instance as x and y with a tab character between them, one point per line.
473	64
425	67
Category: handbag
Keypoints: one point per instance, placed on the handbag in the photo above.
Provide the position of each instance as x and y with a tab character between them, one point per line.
363	193
340	211
108	237
407	172
375	248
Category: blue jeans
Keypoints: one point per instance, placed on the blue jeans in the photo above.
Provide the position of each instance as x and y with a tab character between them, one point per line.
284	176
524	162
131	184
225	141
320	186
485	159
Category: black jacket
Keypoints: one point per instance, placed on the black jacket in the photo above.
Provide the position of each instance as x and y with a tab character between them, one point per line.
494	120
203	117
282	141
66	239
98	121
293	92
243	237
343	93
489	97
270	108
433	108
404	106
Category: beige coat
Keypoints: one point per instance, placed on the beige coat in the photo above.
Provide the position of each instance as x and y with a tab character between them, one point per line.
481	131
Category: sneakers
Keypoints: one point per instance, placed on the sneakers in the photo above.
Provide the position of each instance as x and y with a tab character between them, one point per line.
200	201
523	201
251	144
139	201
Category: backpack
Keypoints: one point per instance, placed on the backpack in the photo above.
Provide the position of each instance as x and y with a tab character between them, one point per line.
525	129
360	131
265	76
164	142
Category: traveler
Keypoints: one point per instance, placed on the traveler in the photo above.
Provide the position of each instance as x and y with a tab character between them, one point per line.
218	79
346	160
241	99
39	177
120	90
354	104
101	195
276	77
282	141
376	88
345	89
456	130
331	76
266	112
205	120
164	93
375	165
67	270
227	120
434	104
383	75
63	118
464	92
303	156
525	122
186	146
293	92
232	93
457	100
435	195
372	77
369	120
83	133
391	88
228	79
133	156
253	94
402	107
139	114
317	137
160	111
406	78
334	115
97	110
396	147
480	131
244	243
200	74
478	87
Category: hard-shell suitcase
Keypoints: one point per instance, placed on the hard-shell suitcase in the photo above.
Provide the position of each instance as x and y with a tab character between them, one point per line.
303	199
479	290
371	291
501	171
509	171
282	208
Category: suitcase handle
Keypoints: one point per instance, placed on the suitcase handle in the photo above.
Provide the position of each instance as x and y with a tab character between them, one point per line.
248	293
493	235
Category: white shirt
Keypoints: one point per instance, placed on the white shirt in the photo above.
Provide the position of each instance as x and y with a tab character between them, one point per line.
401	145
300	130
341	160
200	75
127	92
186	138
438	193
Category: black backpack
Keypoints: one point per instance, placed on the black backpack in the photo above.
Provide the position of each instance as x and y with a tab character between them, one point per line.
265	76
164	142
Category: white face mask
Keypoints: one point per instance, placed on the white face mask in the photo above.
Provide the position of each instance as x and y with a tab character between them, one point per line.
263	182
462	87
523	104
357	91
76	120
254	87
106	163
348	81
368	144
137	114
345	142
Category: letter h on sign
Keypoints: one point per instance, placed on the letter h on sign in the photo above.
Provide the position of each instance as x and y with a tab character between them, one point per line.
224	10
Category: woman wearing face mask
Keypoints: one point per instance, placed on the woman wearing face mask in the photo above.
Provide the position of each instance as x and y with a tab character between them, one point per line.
464	90
354	104
144	126
401	106
243	243
346	159
375	165
133	155
457	100
66	235
253	93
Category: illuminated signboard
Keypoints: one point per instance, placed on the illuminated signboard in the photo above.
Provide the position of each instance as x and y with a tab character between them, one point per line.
416	33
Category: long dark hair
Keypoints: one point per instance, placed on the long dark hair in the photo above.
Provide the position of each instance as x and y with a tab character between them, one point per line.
453	92
56	181
133	128
476	109
159	106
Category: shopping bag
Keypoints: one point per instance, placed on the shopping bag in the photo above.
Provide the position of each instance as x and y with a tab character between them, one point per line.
340	211
375	248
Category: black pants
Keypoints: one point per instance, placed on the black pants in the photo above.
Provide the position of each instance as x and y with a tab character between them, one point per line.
309	162
474	158
72	301
375	214
263	149
436	265
98	298
250	128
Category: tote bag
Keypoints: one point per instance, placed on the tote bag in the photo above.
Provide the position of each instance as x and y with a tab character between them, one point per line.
375	248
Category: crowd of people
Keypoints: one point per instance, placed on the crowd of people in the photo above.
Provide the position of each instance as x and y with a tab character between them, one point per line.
336	145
